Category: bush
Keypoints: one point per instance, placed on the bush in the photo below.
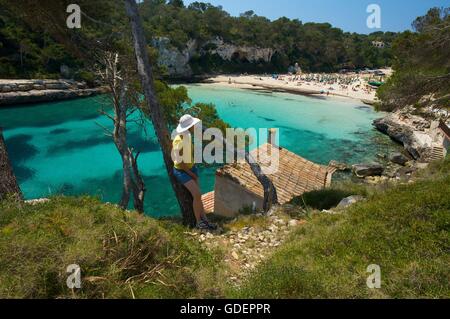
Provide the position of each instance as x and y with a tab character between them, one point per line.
86	76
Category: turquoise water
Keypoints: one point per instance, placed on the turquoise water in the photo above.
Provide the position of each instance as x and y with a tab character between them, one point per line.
60	148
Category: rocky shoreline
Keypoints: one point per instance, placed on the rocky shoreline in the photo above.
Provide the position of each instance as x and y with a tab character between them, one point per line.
13	92
423	137
420	137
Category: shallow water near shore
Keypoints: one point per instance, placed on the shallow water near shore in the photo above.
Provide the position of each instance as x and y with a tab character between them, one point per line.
60	148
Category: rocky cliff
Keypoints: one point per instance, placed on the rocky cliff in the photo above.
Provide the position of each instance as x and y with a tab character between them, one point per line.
419	136
177	61
34	91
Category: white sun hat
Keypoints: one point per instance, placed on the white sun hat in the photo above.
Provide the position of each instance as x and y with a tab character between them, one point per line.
186	122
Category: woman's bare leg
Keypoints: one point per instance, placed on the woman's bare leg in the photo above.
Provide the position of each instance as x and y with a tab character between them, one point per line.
194	189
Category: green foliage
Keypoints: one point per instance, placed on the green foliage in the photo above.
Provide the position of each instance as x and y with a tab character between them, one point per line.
45	46
25	53
120	253
405	230
86	76
209	116
176	102
422	66
316	46
172	100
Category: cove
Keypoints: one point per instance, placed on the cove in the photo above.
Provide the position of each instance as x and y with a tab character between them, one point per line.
60	148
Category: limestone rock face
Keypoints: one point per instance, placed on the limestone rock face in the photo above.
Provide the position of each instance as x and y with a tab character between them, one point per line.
177	61
409	130
35	91
229	51
364	170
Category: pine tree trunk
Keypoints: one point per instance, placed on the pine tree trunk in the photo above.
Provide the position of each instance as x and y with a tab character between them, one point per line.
138	184
126	182
8	182
154	110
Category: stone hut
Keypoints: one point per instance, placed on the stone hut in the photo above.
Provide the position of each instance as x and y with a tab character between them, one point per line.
237	188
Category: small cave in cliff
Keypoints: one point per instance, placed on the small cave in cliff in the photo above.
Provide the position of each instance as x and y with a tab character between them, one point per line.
240	57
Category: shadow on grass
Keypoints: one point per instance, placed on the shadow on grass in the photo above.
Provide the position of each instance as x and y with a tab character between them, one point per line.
321	199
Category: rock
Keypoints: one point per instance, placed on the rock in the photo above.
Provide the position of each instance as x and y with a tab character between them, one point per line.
293	223
235	255
419	165
339	166
65	71
399	158
405	171
409	130
177	60
38	87
364	170
57	86
348	201
41	92
24	87
37	201
6	88
228	51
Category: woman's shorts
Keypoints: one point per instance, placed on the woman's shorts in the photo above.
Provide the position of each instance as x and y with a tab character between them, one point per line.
184	177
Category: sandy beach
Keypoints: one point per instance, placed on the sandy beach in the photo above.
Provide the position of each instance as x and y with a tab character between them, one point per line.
354	86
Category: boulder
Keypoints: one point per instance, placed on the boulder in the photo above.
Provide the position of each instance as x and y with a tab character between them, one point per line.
364	170
399	158
346	202
293	223
6	88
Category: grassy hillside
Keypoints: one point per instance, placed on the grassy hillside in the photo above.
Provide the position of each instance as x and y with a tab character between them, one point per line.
121	254
405	230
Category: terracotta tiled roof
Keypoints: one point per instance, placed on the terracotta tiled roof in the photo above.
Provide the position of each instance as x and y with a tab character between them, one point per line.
208	202
445	129
294	177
